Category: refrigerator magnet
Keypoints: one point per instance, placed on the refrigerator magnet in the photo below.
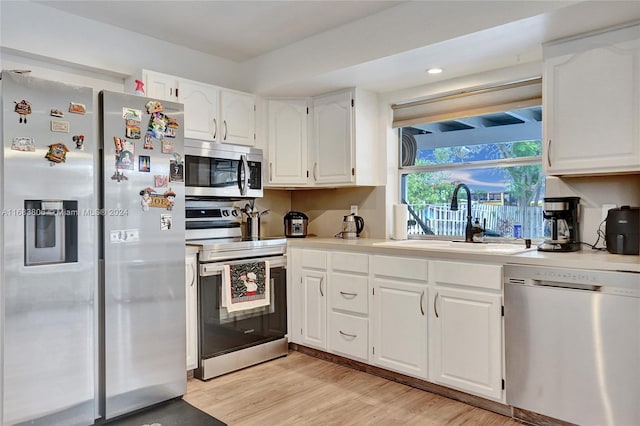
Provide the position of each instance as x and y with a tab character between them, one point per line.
25	144
157	125
77	108
57	153
132	129
57	113
60	126
118	176
154	106
124	160
144	163
148	141
23	108
176	171
168	146
79	140
165	222
161	181
131	114
171	198
145	198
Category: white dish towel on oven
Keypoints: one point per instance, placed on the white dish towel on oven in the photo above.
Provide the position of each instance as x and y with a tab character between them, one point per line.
246	286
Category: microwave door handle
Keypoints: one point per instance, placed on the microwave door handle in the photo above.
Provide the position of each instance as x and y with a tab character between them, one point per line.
243	181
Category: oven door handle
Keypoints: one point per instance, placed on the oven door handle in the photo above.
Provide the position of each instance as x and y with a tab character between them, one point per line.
216	268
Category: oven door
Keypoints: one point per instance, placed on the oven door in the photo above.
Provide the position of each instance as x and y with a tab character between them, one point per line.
235	172
221	331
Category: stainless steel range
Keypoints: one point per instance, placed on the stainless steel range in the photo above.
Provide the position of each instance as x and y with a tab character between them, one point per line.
231	339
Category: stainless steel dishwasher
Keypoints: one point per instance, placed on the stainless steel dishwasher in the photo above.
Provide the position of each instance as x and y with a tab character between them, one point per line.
573	344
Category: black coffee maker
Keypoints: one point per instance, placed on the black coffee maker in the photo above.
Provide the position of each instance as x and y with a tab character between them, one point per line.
561	225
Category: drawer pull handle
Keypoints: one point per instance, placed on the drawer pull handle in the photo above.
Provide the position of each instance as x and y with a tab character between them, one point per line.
348	294
353	336
435	307
421	308
321	292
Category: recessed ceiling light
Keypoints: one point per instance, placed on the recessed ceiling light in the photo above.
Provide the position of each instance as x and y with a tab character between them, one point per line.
434	70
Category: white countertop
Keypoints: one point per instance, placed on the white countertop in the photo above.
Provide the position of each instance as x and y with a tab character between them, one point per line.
584	259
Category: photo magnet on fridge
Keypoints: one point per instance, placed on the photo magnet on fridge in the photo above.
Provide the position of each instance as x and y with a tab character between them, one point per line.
79	140
25	144
144	163
165	222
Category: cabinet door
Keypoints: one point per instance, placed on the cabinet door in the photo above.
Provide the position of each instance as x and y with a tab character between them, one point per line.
200	110
400	326
314	309
332	154
161	86
467	341
591	105
237	115
191	271
287	121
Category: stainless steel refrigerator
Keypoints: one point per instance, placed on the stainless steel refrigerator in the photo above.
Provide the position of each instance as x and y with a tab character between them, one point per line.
92	253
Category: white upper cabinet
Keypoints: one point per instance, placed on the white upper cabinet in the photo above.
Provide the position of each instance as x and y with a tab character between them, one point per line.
237	117
341	144
200	110
211	113
287	141
333	152
591	100
160	86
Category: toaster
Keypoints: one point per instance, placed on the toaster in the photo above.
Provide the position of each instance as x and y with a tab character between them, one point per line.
622	233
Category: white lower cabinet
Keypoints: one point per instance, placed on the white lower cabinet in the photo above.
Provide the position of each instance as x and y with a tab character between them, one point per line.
314	303
466	350
309	297
191	293
349	305
400	294
435	320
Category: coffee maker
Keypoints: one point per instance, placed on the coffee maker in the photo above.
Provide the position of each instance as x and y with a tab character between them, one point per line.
561	225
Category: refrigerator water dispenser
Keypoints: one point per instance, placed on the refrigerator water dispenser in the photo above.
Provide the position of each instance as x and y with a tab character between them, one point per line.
50	231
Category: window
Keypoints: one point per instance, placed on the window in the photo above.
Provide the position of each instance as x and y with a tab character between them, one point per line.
496	153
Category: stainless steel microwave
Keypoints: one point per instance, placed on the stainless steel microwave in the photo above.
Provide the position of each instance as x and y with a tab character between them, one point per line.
222	170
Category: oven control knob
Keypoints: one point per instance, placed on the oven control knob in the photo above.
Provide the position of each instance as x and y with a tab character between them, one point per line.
234	212
225	212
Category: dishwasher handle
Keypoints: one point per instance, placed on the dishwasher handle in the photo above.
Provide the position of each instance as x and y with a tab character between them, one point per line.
570	286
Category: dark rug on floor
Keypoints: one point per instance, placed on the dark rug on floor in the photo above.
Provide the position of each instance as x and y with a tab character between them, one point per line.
175	412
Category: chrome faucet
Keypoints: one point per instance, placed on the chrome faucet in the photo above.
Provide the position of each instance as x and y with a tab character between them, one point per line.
468	232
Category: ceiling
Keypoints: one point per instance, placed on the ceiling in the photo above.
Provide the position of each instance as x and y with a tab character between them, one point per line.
236	30
308	47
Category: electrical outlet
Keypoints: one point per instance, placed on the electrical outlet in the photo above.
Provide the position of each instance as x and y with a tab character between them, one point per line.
606	208
354	210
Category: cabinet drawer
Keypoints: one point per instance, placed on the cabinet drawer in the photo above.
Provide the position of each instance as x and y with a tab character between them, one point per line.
350	262
400	267
467	274
314	259
349	293
349	335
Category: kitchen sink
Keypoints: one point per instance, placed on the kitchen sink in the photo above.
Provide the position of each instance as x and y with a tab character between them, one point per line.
459	246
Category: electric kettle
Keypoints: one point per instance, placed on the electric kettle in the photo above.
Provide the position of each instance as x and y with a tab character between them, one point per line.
352	226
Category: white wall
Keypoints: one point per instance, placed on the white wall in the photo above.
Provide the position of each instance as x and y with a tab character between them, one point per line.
32	30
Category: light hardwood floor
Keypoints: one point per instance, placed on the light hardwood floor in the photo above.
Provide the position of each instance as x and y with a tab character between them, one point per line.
302	390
